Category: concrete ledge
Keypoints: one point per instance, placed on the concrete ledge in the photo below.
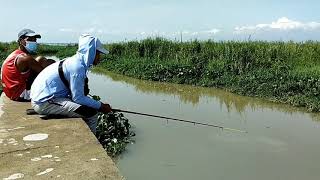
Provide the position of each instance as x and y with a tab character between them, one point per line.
71	151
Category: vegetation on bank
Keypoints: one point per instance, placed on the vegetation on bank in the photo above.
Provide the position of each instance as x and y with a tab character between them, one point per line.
56	50
286	72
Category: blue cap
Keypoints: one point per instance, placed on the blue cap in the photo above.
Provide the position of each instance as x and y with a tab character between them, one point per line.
28	33
100	47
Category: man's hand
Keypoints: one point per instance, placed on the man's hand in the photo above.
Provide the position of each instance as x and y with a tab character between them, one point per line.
105	108
44	62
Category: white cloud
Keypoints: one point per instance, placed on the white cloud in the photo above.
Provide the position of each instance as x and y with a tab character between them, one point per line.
65	30
282	24
90	30
206	32
93	30
197	33
212	31
186	32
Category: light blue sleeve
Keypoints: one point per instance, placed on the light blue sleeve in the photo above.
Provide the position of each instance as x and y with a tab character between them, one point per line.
77	89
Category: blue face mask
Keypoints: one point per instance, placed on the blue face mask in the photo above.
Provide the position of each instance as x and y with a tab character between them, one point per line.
31	47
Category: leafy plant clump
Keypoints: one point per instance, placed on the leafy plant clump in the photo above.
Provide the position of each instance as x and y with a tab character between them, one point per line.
113	132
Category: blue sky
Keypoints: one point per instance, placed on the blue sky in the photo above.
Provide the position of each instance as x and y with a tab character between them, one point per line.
119	20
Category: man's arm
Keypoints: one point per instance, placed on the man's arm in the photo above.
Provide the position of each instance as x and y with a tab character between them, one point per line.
76	84
77	89
44	62
24	63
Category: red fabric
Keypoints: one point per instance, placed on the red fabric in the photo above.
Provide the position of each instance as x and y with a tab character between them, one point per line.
13	81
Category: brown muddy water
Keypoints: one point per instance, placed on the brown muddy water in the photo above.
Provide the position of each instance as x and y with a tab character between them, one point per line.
282	141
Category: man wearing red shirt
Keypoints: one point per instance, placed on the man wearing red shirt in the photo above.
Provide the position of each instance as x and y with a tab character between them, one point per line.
20	67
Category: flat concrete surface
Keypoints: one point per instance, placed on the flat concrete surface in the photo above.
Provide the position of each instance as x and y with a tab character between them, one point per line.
70	151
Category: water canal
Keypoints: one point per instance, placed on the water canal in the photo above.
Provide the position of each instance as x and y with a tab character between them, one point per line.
282	141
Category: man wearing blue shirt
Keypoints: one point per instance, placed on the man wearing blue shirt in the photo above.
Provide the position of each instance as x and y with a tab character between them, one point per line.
59	89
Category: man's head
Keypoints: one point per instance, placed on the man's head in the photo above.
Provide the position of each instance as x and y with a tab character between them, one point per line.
97	58
27	40
99	50
90	48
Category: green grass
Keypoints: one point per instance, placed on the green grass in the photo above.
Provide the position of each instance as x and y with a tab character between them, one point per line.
59	51
286	72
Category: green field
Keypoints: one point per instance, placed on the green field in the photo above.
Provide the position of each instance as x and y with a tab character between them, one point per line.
287	72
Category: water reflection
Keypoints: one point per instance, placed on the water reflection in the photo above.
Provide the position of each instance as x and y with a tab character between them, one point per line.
192	95
277	133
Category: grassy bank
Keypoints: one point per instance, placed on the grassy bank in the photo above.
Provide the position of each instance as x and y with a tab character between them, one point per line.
279	71
286	72
59	51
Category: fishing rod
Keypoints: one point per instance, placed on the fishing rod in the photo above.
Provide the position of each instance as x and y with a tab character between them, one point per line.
181	120
176	119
